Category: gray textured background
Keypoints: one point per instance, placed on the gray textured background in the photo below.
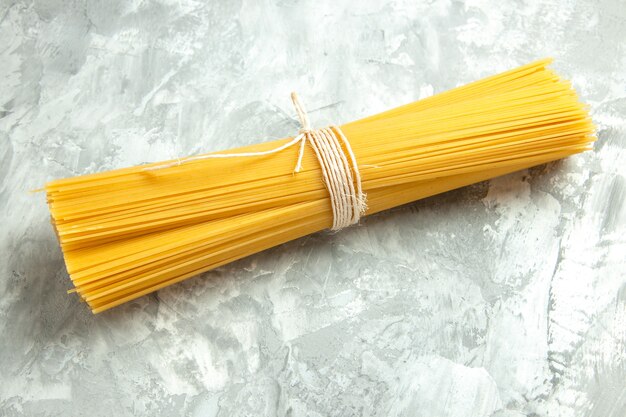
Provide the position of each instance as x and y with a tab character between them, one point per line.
507	298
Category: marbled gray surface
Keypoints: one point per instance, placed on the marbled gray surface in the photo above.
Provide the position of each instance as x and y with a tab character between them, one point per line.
507	298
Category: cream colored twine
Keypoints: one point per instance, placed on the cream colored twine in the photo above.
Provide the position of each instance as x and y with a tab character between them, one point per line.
342	181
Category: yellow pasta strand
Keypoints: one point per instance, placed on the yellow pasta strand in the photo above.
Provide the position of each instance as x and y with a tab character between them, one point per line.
129	232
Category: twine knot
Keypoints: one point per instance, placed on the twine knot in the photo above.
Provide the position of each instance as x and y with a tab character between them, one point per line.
342	181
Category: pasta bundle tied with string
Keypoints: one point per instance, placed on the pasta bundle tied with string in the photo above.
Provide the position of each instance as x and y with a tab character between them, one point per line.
129	232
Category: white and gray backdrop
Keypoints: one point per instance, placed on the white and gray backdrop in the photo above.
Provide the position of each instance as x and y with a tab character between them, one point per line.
504	299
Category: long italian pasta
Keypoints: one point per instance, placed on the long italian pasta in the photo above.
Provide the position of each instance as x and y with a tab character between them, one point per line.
129	232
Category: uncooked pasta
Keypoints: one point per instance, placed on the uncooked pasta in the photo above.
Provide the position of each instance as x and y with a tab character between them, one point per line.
129	232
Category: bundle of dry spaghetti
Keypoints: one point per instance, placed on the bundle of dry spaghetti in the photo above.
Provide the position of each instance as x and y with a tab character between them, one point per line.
129	232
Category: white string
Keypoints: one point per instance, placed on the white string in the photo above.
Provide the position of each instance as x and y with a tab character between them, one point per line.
343	183
180	161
